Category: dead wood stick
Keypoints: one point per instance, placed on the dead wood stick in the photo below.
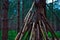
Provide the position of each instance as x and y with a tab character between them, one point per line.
32	31
45	29
38	33
28	14
42	30
49	26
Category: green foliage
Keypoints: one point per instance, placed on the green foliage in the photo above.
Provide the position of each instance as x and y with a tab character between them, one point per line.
25	36
0	35
12	34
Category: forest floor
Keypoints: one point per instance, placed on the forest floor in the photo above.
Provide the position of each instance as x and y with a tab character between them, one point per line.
12	34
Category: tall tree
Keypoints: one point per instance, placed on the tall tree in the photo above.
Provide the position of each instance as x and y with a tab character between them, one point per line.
5	21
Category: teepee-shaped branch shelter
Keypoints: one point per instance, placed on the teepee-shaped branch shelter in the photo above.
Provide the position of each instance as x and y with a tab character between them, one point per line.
36	24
